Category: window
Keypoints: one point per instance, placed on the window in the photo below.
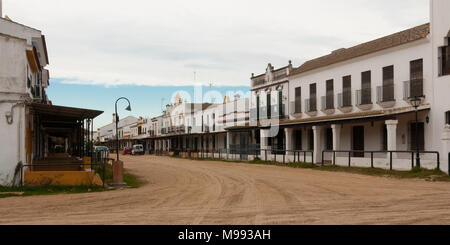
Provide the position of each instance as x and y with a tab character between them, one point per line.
329	94
444	60
366	88
269	105
388	84
419	139
312	97
214	121
298	100
447	117
257	108
280	103
416	78
347	91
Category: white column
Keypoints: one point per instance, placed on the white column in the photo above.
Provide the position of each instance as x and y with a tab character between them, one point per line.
317	144
289	133
336	137
228	140
445	145
391	126
264	138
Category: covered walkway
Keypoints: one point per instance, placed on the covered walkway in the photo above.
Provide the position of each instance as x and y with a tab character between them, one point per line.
58	139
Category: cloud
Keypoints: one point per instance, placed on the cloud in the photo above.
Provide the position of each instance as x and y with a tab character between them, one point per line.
111	43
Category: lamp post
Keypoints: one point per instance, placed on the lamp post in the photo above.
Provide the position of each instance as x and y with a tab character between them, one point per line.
415	102
117	123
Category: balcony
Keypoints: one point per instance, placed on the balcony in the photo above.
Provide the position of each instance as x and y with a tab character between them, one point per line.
311	106
254	115
268	113
279	76
413	88
364	99
259	81
36	91
386	96
295	108
345	101
181	129
278	112
328	103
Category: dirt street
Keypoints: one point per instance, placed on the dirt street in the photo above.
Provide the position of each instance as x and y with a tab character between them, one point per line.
197	192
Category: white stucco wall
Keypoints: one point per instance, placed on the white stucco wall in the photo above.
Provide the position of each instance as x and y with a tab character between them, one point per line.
440	27
13	65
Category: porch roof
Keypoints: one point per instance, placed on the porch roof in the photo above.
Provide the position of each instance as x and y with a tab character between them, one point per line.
62	111
339	118
351	117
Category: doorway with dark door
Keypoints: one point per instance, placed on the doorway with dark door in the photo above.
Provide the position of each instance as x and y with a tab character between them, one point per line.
358	141
243	145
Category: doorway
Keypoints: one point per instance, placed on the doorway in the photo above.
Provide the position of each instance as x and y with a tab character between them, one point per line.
358	141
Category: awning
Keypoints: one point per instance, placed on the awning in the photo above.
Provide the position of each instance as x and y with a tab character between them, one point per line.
62	111
364	116
352	117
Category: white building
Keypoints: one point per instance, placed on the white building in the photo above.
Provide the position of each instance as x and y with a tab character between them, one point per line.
34	130
359	98
127	128
193	127
23	79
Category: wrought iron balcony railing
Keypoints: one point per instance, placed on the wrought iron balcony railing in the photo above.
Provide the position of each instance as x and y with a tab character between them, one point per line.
364	96
413	88
385	93
295	107
345	99
259	82
327	102
311	104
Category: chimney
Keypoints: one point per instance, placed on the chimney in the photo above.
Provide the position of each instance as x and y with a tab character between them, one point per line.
114	114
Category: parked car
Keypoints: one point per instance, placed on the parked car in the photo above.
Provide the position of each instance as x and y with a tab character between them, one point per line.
102	150
127	150
138	150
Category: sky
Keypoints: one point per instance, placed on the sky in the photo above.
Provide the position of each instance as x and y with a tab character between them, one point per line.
108	48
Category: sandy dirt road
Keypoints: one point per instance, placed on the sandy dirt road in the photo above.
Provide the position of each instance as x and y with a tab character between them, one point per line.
194	192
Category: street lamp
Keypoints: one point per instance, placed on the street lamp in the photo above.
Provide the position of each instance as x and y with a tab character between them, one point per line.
415	102
117	123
